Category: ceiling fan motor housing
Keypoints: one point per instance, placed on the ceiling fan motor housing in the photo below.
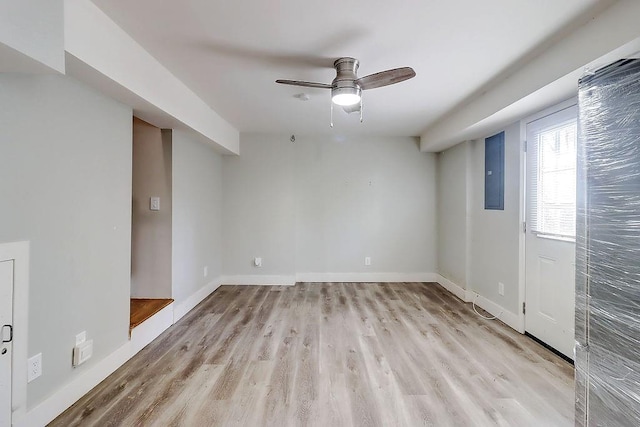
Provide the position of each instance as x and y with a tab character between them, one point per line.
344	89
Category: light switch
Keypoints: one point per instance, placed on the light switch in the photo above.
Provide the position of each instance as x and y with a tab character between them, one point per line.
154	204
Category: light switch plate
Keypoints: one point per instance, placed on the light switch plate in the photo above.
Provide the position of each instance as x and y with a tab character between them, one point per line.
154	203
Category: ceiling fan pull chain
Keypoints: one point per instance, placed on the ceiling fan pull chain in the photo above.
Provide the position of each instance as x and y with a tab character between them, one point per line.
331	123
361	107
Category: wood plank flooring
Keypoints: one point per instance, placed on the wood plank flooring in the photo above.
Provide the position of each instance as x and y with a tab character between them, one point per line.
339	354
143	308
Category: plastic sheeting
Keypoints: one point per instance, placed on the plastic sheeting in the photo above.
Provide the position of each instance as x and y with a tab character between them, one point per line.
607	349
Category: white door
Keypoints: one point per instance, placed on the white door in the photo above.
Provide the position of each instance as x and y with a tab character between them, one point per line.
6	322
550	229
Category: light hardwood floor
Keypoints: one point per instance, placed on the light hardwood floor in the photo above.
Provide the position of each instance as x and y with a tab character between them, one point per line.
334	355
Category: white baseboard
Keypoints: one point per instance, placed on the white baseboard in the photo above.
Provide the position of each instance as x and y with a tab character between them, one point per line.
141	336
258	280
454	288
195	299
366	277
466	295
504	315
151	329
46	411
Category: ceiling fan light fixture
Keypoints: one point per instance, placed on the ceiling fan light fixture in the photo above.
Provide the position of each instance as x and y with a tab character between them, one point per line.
344	96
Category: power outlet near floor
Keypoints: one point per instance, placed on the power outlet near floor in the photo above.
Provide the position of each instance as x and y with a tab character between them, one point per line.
205	272
34	367
367	260
501	288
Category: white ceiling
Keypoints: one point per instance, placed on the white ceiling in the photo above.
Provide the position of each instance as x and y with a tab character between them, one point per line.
230	53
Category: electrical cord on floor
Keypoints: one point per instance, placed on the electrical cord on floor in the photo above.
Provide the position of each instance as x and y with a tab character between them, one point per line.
484	317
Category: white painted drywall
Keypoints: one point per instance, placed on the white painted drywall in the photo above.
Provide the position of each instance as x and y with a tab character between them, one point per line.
197	215
151	230
493	234
65	186
34	28
258	218
322	204
93	39
453	212
609	27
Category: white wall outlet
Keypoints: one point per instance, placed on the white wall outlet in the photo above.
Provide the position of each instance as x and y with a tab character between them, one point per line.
501	288
81	337
82	352
205	271
257	261
34	367
154	203
367	260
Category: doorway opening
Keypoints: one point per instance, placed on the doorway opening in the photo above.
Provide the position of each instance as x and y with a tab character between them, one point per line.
151	221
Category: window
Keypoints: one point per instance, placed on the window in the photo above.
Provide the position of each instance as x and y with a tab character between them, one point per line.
553	153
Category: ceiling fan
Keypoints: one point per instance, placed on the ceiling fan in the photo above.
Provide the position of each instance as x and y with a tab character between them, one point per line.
346	88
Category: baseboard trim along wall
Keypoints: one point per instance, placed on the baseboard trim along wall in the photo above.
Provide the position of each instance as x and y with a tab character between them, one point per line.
455	289
255	279
195	299
46	411
366	277
151	329
504	315
141	336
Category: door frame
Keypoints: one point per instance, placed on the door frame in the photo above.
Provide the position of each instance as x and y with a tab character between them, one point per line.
18	252
523	200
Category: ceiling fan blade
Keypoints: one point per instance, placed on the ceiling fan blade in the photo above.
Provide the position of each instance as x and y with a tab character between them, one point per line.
385	78
305	84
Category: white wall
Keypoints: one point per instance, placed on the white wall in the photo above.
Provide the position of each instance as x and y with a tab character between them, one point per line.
320	205
197	215
259	207
102	54
486	241
36	29
494	235
65	185
453	213
151	230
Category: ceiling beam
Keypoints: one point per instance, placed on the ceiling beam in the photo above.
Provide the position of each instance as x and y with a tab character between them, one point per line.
101	54
610	29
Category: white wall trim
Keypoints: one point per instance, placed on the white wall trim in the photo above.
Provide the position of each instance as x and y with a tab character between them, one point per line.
195	299
366	277
454	288
507	317
255	279
46	411
141	336
510	319
18	252
151	329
